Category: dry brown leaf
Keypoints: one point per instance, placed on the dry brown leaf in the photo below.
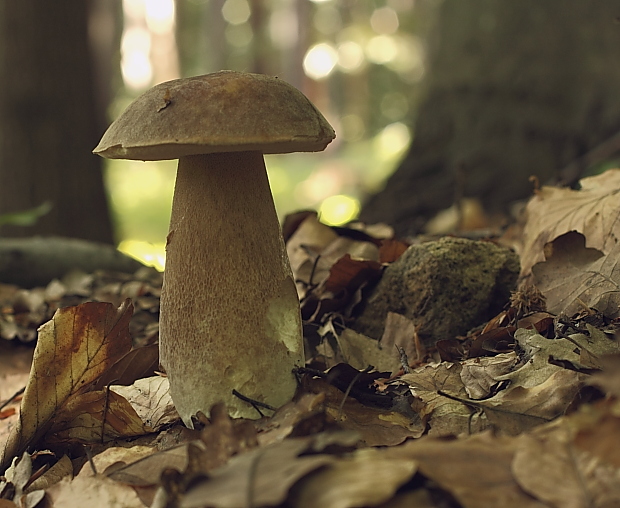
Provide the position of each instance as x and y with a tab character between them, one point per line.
391	249
476	470
480	374
518	409
592	211
609	379
399	332
367	477
306	410
114	458
150	397
62	468
574	277
73	349
261	477
537	369
573	461
419	498
376	427
146	471
438	386
551	469
92	491
303	248
360	351
139	363
95	417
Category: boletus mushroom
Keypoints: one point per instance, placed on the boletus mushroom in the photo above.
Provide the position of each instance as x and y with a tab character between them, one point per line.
229	317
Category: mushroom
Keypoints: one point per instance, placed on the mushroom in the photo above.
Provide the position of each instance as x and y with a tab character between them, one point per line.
229	317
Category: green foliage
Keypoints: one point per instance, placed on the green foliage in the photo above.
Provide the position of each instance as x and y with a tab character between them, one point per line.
26	217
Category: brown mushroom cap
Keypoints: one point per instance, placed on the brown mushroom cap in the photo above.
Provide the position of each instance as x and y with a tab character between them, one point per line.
226	111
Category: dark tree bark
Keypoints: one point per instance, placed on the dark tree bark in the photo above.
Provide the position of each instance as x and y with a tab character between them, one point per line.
49	120
515	88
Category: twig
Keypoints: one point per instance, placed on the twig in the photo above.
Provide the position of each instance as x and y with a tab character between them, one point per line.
256	404
12	398
106	406
348	390
89	456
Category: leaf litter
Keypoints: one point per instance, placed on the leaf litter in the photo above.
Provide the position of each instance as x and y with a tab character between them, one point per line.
522	411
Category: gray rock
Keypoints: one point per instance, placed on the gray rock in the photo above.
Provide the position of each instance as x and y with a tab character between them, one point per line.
446	287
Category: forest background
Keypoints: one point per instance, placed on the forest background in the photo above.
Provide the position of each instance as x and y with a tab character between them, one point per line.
456	98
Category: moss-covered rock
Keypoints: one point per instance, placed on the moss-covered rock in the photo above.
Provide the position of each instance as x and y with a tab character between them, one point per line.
446	287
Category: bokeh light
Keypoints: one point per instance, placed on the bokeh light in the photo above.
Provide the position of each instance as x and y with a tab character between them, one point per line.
350	56
381	49
236	12
320	60
338	210
384	20
136	65
151	254
393	140
159	15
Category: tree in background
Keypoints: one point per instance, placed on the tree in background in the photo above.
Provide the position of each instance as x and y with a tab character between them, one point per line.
514	89
50	120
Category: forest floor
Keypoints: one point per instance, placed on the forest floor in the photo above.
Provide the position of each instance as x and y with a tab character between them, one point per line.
521	409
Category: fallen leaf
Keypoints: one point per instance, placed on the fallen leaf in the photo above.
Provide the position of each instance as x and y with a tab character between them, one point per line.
146	471
73	349
399	332
574	277
476	470
480	374
549	468
360	351
114	458
592	211
62	468
138	363
374	426
609	379
445	408
92	491
95	417
518	409
261	477
303	416
150	398
367	477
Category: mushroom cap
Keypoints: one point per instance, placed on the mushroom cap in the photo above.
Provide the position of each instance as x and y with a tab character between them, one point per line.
225	111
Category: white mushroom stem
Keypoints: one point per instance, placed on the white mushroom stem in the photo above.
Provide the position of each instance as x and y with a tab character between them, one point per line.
229	309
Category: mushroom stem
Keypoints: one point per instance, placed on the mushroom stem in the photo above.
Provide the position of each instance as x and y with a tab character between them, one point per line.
229	309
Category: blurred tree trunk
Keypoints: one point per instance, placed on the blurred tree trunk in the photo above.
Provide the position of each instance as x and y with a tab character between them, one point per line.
49	120
514	89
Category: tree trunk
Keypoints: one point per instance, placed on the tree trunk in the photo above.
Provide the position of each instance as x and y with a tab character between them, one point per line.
514	89
49	120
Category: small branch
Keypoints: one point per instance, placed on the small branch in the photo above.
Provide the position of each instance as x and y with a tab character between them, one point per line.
12	398
349	388
256	404
89	456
